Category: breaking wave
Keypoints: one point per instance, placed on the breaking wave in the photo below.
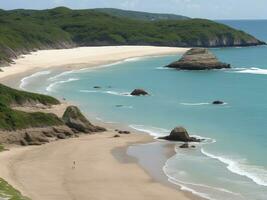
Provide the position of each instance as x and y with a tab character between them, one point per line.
252	70
255	173
194	104
52	85
26	79
153	131
107	92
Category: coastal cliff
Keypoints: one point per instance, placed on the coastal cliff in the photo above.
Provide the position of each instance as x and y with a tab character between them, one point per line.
24	31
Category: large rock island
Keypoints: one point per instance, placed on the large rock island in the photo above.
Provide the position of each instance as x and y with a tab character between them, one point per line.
198	59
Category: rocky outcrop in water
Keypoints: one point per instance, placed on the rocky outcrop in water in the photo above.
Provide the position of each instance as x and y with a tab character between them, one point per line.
198	59
139	92
180	134
74	119
217	102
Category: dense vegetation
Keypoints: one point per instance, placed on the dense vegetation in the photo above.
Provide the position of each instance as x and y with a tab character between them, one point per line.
12	119
25	30
8	192
9	96
140	15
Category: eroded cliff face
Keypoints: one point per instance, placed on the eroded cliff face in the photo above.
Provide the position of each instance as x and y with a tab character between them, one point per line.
228	42
221	42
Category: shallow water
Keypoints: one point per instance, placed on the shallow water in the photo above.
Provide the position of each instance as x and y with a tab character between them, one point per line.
231	164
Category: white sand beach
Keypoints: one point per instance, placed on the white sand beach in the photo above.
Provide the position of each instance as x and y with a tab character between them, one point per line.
80	57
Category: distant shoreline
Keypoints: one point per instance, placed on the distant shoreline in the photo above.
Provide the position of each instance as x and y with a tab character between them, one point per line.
77	58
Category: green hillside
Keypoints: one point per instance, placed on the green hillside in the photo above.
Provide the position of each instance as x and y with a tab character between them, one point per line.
8	192
140	15
13	120
25	30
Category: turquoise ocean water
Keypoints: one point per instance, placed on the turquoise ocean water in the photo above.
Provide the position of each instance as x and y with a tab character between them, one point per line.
232	163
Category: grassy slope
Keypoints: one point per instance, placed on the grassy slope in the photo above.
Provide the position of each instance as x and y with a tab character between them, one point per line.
9	96
12	120
7	191
25	30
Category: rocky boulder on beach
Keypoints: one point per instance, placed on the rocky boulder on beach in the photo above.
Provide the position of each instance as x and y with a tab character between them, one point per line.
180	134
74	119
35	136
139	92
198	59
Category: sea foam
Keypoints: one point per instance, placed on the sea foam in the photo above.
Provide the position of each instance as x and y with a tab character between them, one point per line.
52	85
60	75
153	131
194	104
202	190
107	92
256	173
207	192
164	68
26	79
95	67
252	70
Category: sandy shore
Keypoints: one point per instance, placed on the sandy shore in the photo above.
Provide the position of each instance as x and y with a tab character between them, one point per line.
103	170
48	173
77	58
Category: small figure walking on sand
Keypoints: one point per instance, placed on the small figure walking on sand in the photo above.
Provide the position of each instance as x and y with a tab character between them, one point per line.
73	166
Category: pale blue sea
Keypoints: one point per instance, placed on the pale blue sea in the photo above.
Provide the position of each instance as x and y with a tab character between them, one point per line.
232	163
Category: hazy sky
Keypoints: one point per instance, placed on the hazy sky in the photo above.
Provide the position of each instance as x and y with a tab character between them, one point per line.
213	9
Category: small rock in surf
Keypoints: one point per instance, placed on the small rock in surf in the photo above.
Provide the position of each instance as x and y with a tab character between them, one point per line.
217	102
139	92
184	146
180	134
